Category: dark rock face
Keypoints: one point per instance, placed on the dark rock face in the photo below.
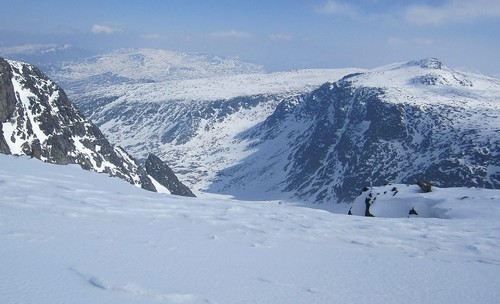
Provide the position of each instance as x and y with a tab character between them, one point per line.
7	95
38	120
357	137
162	173
4	147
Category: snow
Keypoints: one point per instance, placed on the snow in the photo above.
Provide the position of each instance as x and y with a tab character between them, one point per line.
396	200
221	87
73	236
159	187
205	153
153	65
216	145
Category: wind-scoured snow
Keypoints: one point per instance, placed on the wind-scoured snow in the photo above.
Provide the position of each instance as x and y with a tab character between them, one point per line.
73	236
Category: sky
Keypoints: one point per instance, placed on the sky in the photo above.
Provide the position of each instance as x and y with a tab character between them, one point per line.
279	34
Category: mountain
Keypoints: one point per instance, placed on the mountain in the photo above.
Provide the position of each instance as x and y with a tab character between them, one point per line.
143	66
399	123
311	136
37	119
70	236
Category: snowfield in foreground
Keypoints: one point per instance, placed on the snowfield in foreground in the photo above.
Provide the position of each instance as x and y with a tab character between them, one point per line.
72	236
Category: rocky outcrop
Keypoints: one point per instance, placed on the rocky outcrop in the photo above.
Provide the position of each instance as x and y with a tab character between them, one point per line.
425	186
38	120
4	147
162	173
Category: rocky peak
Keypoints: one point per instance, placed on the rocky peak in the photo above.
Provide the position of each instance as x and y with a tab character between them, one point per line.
163	174
38	120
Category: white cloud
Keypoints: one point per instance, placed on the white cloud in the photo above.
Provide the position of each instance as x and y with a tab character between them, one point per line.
281	37
103	29
231	34
452	11
333	7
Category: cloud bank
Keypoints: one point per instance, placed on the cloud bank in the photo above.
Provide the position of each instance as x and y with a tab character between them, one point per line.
452	11
449	11
103	29
333	7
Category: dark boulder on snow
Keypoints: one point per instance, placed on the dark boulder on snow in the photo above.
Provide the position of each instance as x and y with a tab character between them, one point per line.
425	186
367	207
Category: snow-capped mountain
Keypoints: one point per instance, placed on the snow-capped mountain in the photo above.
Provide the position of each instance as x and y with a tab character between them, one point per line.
312	136
37	119
195	122
399	123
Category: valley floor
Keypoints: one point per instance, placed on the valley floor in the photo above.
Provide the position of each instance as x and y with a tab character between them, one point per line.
72	236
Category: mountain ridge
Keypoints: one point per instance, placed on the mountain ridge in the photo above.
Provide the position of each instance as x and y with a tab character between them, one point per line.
351	133
314	136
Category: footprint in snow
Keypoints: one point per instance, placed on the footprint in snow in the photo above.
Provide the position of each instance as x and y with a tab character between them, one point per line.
140	292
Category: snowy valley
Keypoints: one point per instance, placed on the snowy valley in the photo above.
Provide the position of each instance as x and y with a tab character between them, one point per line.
307	136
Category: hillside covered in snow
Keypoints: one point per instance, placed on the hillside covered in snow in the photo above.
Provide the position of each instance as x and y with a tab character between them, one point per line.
76	236
311	136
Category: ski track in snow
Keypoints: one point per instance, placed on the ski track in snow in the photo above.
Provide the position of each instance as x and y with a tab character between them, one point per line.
74	236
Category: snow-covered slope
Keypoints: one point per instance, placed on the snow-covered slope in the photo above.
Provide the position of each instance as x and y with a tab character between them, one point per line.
293	136
37	119
72	236
401	200
409	121
195	123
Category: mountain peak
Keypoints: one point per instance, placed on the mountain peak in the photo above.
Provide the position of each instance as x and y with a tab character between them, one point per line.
428	63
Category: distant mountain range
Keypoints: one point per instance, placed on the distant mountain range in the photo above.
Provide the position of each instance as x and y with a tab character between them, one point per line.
308	136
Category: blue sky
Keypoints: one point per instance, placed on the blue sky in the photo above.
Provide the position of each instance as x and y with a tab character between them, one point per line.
279	34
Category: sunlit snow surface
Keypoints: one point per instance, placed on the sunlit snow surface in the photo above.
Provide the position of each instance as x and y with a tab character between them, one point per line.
72	236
